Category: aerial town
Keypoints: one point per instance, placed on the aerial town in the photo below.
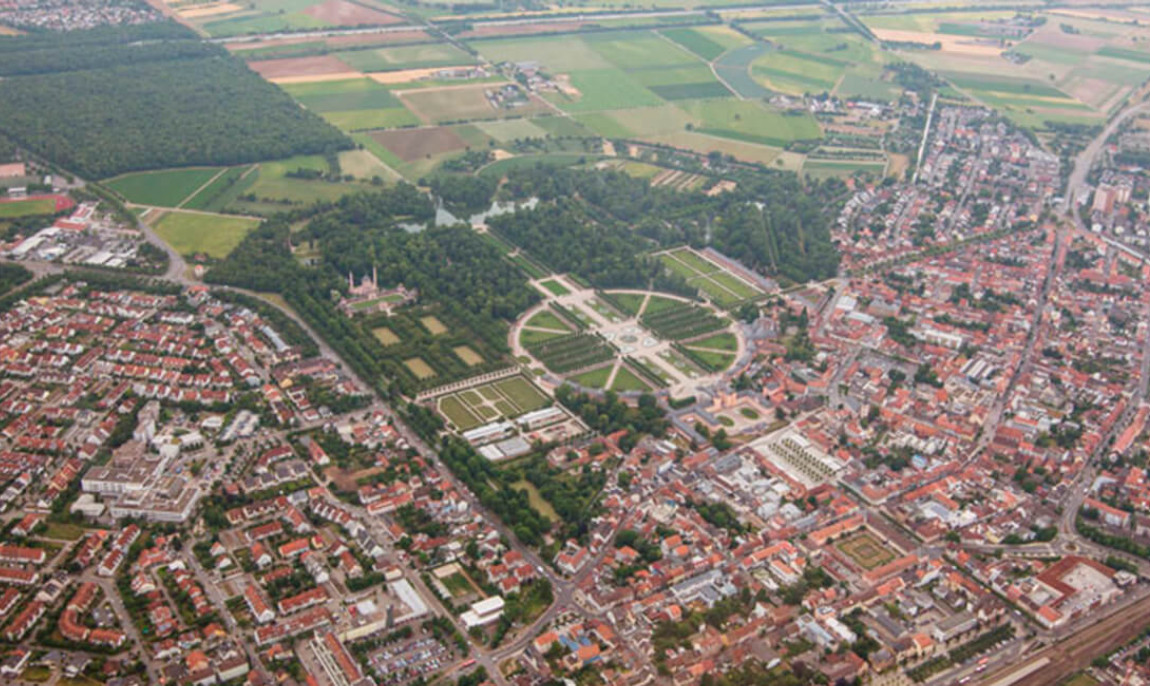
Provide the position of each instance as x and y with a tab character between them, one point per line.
374	344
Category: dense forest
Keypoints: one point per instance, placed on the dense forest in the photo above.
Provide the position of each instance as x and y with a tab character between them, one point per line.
102	102
598	224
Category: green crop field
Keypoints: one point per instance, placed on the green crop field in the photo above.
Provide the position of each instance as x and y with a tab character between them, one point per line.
212	235
214	196
752	122
697	42
353	104
161	188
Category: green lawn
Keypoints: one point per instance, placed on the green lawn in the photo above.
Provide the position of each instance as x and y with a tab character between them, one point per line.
528	337
161	188
555	287
547	320
596	378
626	380
720	341
213	235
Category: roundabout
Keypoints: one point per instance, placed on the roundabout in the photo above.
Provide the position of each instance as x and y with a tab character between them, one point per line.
625	340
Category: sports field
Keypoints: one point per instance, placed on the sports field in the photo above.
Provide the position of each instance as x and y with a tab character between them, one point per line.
507	398
865	550
26	208
214	235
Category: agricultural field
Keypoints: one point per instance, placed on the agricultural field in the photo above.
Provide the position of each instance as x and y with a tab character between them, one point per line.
423	56
504	399
275	186
353	104
203	234
722	287
223	19
168	188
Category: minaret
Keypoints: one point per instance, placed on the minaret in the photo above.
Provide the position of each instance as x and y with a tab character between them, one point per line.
374	278
350	280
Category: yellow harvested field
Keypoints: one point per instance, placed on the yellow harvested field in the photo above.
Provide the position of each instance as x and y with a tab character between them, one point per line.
208	10
317	78
962	45
407	75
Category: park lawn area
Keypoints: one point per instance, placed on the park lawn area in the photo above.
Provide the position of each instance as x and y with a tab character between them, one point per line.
596	378
214	235
469	356
166	188
529	337
720	341
658	303
627	380
458	585
458	414
735	285
63	531
749	121
749	413
677	266
545	319
385	336
424	56
716	360
27	208
433	325
420	368
536	499
555	287
865	550
37	674
629	303
720	295
521	392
